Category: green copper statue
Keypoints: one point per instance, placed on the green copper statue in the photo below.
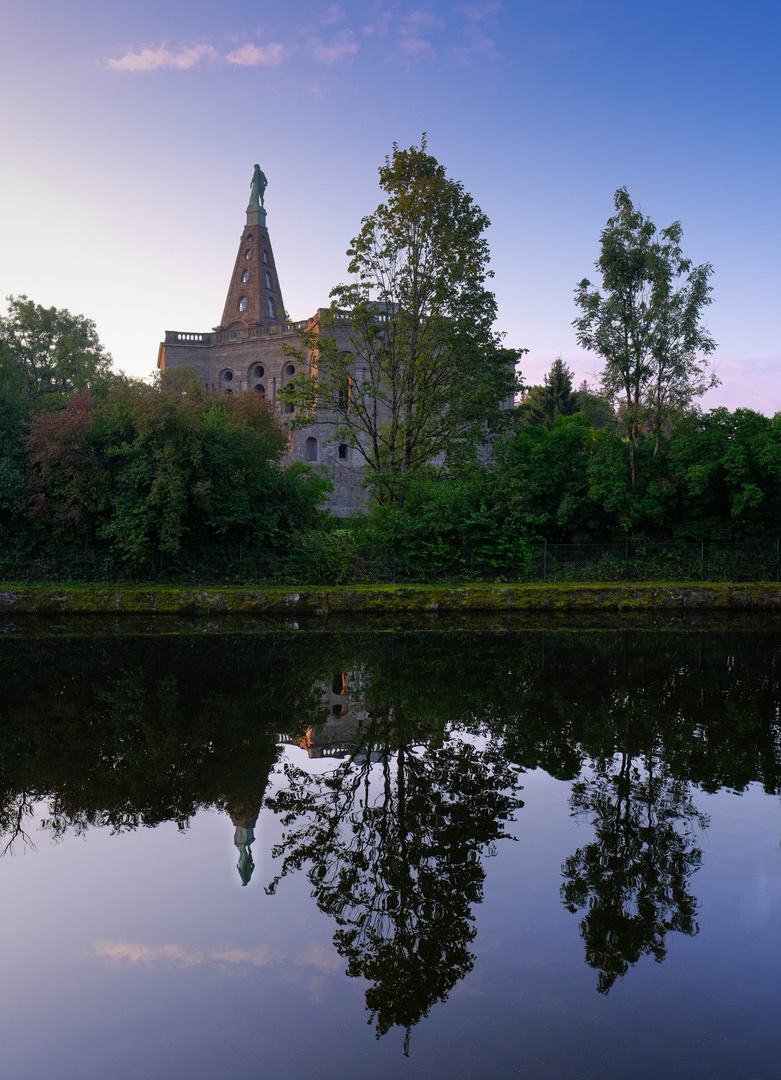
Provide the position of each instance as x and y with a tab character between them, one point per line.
257	187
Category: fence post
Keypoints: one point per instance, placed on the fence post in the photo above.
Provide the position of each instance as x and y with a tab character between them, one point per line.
545	560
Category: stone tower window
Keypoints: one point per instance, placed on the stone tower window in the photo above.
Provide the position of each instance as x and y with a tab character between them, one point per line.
268	280
342	452
311	449
226	376
272	308
248	253
245	276
243	303
249	237
265	256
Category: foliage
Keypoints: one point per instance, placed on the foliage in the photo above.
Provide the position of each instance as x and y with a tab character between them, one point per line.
398	871
54	352
728	467
156	468
645	323
409	369
543	404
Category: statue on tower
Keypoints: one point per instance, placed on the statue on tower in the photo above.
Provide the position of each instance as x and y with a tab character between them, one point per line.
257	187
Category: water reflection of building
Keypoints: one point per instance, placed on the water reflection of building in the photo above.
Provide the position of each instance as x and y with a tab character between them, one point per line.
339	736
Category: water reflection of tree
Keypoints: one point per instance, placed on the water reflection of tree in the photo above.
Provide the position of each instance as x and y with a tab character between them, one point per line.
633	878
393	840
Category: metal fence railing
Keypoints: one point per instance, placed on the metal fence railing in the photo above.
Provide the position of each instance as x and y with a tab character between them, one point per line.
321	560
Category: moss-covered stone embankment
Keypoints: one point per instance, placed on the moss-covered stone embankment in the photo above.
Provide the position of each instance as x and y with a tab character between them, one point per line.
285	602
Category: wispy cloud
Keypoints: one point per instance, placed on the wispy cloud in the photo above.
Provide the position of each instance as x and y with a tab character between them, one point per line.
250	55
342	46
187	56
179	956
411	42
474	13
149	59
333	14
323	958
379	27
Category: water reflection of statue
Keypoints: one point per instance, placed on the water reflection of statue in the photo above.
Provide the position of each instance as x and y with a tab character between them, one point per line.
244	819
257	187
633	879
393	840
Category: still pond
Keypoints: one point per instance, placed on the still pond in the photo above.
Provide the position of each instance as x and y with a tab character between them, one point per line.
542	854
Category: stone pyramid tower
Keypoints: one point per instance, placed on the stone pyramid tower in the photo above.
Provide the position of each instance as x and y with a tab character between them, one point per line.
254	294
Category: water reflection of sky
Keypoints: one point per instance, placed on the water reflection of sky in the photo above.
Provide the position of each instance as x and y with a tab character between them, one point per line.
140	955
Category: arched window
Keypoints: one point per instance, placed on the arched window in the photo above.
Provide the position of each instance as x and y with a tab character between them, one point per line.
245	276
338	685
265	256
272	308
243	303
261	389
311	449
342	452
268	280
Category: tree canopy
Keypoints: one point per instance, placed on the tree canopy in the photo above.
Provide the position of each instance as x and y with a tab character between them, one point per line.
645	322
409	367
49	350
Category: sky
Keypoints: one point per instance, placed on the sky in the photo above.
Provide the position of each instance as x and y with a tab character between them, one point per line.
128	132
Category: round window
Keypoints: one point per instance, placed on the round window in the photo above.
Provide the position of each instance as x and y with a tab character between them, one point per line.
290	370
260	371
227	376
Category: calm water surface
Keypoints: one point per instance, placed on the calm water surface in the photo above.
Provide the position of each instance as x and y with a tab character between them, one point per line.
540	855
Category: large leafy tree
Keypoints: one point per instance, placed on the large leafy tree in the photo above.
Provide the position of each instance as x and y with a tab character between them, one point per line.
409	367
52	350
645	322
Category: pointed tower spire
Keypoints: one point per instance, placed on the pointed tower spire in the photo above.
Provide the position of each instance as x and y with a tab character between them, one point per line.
254	295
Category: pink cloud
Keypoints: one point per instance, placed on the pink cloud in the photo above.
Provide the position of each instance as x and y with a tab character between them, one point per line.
333	14
342	46
250	55
151	59
475	14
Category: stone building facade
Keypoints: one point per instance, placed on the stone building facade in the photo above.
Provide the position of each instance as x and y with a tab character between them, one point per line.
246	352
249	352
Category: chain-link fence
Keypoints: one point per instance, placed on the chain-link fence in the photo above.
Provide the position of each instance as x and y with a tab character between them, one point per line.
342	560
